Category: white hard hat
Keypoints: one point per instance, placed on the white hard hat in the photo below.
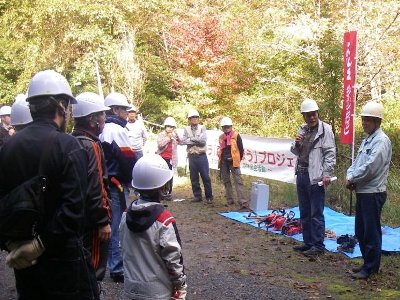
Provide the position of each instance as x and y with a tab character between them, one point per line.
193	113
88	103
308	105
372	109
20	97
132	109
116	99
5	110
20	113
49	83
226	121
150	172
170	121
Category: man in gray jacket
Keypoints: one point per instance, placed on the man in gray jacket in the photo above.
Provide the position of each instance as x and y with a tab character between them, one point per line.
314	147
195	137
368	177
151	246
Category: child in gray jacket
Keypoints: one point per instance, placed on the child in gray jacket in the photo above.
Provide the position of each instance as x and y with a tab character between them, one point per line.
151	246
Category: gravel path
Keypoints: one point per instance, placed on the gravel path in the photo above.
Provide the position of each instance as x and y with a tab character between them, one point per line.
227	260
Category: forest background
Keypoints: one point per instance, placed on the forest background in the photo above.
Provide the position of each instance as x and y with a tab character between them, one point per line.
252	60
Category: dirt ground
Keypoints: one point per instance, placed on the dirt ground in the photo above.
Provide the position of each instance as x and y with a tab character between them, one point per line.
228	260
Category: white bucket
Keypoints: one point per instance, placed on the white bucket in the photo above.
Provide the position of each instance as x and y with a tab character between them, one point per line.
259	196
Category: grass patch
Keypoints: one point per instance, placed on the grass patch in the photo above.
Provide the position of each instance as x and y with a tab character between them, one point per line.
341	290
389	294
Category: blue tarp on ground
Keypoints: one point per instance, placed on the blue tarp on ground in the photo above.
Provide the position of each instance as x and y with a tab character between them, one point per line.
337	222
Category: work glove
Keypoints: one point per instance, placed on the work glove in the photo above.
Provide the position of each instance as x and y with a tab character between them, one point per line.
25	255
11	245
179	293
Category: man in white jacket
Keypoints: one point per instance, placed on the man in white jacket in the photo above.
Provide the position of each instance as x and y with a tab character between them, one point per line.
151	246
137	132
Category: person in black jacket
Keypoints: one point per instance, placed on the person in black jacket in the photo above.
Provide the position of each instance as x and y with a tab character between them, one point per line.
89	117
51	265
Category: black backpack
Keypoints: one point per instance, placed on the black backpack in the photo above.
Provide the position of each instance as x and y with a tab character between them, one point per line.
22	209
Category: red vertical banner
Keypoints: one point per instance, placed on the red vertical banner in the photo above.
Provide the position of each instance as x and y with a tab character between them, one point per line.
349	76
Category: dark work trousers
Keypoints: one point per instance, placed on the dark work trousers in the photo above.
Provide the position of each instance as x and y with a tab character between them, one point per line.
198	164
64	274
170	183
368	228
98	250
311	204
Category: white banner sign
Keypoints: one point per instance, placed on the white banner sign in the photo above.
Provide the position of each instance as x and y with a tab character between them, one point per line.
263	157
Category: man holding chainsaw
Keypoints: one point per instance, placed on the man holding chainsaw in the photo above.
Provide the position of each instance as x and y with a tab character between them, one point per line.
120	160
314	147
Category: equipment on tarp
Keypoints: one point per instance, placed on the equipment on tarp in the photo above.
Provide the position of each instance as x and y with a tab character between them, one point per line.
271	218
347	243
292	227
330	234
279	220
259	196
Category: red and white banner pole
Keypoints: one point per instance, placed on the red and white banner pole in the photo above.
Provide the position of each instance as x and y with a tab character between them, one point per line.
349	92
349	82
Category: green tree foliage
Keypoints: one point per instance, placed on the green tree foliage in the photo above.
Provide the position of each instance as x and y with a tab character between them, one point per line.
253	60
